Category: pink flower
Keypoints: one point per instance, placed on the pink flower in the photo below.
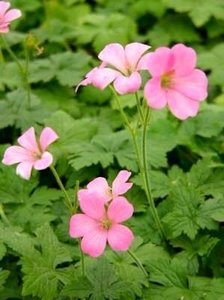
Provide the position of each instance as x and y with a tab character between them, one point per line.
31	153
175	81
120	65
7	15
100	186
100	224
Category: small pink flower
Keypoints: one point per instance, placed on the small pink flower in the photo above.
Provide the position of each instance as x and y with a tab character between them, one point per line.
7	16
100	224
175	81
100	186
120	65
31	153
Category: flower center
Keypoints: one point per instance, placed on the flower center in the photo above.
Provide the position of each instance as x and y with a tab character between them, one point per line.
166	80
106	224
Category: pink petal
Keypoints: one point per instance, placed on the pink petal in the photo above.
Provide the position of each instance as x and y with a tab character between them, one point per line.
80	225
155	94
114	55
120	210
94	242
91	204
101	187
185	59
120	237
3	7
4	28
120	184
125	85
181	106
24	170
47	137
193	85
16	154
28	140
159	62
44	162
12	14
134	52
102	77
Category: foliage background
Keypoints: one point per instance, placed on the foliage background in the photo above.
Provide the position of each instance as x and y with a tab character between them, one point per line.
38	259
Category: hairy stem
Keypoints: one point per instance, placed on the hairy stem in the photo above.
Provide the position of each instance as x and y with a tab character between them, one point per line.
138	262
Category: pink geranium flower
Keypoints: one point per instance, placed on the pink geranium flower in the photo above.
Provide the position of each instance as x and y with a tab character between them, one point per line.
31	153
100	186
120	65
7	15
100	224
175	81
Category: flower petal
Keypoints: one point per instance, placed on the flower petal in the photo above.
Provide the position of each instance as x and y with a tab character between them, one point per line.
120	184
12	14
102	77
134	52
4	6
4	28
28	140
154	94
94	242
91	204
185	59
80	225
131	84
193	85
120	237
44	162
181	106
24	169
120	210
101	187
114	55
47	137
16	154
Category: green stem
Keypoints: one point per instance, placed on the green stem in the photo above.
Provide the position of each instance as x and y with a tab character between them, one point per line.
67	201
139	108
3	215
28	88
146	176
138	262
82	260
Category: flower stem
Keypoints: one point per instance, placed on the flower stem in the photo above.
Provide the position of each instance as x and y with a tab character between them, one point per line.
82	260
3	215
67	200
138	262
139	108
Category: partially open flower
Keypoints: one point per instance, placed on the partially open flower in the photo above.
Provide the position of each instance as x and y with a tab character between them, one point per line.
31	153
7	16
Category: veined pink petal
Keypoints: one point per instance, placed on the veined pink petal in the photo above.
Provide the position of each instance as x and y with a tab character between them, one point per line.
181	106
24	169
114	55
81	224
120	210
16	154
91	204
12	14
134	52
100	186
193	85
4	6
47	137
94	242
120	237
184	59
28	140
44	162
159	62
130	84
120	184
154	94
102	77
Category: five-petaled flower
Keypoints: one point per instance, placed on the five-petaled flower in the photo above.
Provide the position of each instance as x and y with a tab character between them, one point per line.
7	15
100	223
31	153
120	65
175	81
100	186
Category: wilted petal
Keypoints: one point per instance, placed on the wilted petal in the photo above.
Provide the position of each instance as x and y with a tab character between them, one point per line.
12	14
16	154
128	84
185	59
134	52
47	137
44	162
80	225
154	94
101	187
28	140
120	210
120	237
120	184
94	242
91	204
24	170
